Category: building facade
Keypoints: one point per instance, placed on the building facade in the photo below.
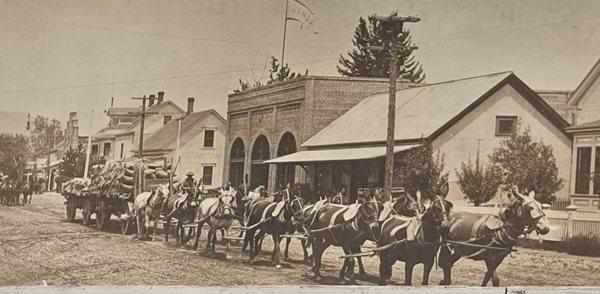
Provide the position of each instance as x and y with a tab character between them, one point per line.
461	118
275	120
201	145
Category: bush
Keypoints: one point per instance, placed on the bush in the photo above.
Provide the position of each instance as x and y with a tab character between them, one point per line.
528	164
479	182
419	169
588	245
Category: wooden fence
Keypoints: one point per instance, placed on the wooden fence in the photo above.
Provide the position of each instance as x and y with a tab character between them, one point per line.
563	224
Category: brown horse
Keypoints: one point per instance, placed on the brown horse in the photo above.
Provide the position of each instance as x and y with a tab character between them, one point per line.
183	212
418	240
273	218
147	207
344	226
218	213
523	215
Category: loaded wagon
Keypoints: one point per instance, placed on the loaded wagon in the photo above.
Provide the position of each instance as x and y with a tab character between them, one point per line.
110	190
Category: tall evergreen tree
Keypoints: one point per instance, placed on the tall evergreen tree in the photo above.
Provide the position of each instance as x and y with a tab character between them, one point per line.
362	62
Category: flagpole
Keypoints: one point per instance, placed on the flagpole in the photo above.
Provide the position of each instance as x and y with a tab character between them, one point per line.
284	32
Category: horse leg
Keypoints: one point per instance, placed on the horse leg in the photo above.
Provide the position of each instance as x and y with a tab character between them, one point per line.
361	268
146	226
228	244
305	250
275	254
249	239
427	266
319	246
209	239
492	264
214	240
199	231
385	268
446	261
154	228
286	255
167	227
409	264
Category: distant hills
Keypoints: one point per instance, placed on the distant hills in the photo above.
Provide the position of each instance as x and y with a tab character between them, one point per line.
13	122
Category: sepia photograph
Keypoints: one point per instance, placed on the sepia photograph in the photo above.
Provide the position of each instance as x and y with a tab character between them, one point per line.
299	146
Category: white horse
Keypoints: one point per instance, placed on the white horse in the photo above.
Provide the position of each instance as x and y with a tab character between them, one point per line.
146	207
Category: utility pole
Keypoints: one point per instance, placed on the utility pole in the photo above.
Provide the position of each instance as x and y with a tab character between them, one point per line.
393	27
88	151
142	116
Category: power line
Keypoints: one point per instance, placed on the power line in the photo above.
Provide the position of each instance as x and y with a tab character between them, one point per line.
143	80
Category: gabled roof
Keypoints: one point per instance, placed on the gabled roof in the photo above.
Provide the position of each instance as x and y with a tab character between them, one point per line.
154	108
583	87
121	111
165	138
423	111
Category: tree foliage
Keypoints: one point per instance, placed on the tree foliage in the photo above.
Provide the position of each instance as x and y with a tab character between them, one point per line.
73	164
420	169
14	151
362	62
277	73
45	133
479	182
528	164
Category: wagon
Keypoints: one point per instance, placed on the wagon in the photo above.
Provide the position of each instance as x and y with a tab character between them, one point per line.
110	191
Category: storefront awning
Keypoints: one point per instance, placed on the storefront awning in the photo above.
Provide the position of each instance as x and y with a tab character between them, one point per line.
337	154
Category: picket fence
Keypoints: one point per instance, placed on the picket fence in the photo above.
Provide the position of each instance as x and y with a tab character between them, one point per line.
563	224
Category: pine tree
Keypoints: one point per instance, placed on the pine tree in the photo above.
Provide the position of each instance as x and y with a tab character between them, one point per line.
362	62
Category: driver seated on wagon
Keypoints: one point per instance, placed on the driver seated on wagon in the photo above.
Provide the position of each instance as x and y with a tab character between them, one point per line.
188	189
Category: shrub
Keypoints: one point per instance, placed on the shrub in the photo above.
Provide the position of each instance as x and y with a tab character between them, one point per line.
588	245
419	169
478	182
529	164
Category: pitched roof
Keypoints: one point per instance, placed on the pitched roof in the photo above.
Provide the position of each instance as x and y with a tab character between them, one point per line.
121	111
165	137
422	111
558	99
154	108
587	81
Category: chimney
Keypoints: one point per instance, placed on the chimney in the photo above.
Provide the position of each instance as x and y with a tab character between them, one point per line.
161	96
190	108
112	101
151	100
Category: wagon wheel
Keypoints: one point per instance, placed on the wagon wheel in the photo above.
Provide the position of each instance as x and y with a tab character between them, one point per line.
87	212
102	215
71	211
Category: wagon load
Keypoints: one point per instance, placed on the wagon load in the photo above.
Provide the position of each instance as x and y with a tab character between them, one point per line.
76	186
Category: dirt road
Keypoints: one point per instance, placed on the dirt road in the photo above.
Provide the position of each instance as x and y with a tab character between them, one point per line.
37	246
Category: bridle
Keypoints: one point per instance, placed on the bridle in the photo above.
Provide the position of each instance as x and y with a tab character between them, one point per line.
529	227
369	217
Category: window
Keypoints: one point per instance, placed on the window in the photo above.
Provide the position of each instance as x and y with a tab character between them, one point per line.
106	149
122	147
582	172
504	125
166	119
94	150
596	174
207	172
209	138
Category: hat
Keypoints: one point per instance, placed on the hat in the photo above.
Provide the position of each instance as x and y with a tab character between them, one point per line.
189	174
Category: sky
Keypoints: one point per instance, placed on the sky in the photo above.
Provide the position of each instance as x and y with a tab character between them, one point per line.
58	56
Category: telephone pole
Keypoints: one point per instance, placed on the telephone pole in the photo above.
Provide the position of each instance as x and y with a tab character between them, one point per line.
393	28
142	116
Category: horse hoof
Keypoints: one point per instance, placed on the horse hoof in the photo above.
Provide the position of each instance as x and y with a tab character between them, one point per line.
444	283
252	262
317	278
227	257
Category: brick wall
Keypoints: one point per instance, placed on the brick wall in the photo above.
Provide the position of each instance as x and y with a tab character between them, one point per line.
303	107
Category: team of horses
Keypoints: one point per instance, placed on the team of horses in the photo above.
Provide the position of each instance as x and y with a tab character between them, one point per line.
413	229
11	194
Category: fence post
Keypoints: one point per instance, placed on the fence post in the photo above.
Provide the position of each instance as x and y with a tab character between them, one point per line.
571	209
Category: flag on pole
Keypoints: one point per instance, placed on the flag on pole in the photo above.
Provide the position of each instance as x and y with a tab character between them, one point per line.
301	13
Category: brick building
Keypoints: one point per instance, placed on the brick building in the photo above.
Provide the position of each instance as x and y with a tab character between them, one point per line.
275	120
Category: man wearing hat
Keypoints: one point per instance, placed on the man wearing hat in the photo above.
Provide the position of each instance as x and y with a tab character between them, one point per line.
189	184
188	188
